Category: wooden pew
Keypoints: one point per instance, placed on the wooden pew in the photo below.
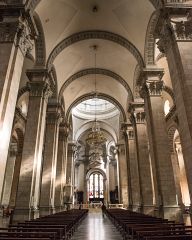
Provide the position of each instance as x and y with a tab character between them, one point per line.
134	225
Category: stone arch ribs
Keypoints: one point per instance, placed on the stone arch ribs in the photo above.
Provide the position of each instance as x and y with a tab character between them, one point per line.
170	92
96	71
171	133
40	50
99	95
95	34
149	53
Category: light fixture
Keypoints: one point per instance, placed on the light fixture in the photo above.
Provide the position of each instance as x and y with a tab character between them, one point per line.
96	136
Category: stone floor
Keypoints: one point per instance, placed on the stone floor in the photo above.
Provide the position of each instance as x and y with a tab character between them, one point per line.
95	227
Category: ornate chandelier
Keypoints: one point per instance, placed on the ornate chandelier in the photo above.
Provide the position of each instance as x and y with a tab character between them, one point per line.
96	136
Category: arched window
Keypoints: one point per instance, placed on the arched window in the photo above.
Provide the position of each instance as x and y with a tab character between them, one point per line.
96	190
166	107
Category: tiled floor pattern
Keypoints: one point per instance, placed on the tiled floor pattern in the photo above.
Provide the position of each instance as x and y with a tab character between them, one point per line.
95	227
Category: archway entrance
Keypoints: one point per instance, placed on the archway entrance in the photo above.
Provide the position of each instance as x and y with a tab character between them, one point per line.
96	187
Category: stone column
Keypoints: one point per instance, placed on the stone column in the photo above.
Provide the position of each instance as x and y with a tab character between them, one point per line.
159	146
15	180
50	168
134	173
68	192
123	174
11	162
61	165
30	173
175	41
14	43
145	170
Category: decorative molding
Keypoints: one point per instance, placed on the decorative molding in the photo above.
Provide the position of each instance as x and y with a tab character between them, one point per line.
97	71
99	95
97	34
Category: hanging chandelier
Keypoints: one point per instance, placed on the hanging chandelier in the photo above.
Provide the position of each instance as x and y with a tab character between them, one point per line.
96	136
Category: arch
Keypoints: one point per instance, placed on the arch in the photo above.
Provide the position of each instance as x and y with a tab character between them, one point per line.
171	133
95	34
93	170
22	91
135	81
40	50
32	4
96	71
99	95
149	52
170	92
20	136
53	81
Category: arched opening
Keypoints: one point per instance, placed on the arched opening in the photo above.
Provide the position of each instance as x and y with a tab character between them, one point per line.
182	172
166	107
96	187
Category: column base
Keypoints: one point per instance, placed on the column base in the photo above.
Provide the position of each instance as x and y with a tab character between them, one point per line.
173	213
148	209
23	214
46	210
58	209
136	208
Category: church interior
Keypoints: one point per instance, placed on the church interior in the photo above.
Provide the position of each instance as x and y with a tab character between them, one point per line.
96	108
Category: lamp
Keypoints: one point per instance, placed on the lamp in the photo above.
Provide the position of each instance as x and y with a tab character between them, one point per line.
96	136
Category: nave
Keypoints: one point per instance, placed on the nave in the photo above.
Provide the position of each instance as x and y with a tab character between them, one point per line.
96	227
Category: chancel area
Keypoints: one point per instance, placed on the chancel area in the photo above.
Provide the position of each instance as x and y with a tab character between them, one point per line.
95	108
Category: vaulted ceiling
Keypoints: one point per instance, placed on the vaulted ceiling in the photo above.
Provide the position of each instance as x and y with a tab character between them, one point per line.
118	28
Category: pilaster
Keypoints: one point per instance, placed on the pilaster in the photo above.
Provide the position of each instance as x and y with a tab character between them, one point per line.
144	164
30	173
124	170
15	41
134	171
50	163
61	165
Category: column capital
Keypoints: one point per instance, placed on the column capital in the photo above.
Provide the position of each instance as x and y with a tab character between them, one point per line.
64	129
54	114
128	130
154	88
174	24
16	32
150	74
137	112
38	84
39	89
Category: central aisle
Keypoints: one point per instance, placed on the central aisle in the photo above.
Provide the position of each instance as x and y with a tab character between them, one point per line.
95	227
